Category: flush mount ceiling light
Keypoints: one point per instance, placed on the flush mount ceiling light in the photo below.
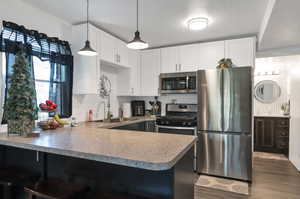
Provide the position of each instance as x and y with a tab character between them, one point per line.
199	23
137	43
87	50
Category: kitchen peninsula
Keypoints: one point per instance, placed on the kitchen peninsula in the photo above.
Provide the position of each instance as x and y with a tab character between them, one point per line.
144	164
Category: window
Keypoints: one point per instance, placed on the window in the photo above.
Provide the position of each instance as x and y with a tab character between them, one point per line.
49	84
42	79
51	61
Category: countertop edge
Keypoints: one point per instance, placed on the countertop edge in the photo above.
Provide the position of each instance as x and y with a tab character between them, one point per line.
155	166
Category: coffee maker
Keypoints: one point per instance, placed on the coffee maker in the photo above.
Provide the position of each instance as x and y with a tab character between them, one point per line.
138	108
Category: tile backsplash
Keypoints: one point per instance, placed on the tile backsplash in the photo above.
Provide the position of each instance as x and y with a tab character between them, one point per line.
164	99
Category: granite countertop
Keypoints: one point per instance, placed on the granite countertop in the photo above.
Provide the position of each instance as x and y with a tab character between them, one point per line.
151	151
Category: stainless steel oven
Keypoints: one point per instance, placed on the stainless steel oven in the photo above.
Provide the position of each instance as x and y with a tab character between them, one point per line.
178	83
179	119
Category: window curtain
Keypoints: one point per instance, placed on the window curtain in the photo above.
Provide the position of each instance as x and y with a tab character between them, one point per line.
60	87
2	83
51	49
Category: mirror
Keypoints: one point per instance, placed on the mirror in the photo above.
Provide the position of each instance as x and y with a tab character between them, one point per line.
267	91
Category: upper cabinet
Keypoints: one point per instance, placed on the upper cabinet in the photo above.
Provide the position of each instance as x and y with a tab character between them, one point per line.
150	70
135	72
122	53
129	78
113	50
107	47
170	60
206	55
210	53
180	58
241	51
86	69
189	57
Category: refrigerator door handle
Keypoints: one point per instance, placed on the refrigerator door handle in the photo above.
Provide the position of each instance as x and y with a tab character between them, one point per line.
221	150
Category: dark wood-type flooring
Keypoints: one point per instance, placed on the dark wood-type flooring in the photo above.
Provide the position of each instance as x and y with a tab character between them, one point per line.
274	179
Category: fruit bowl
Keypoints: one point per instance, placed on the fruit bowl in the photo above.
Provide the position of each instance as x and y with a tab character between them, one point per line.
47	111
48	125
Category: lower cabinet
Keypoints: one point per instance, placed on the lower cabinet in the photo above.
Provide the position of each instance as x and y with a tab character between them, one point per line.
271	134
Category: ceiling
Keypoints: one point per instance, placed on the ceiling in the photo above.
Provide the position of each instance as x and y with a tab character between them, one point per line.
163	21
283	29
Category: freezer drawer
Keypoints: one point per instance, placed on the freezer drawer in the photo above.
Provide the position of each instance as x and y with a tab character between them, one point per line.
226	155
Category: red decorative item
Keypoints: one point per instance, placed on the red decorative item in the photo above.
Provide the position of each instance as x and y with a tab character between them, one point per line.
48	106
54	106
49	102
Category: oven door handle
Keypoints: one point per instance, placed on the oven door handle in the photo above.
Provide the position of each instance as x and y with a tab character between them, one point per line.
175	127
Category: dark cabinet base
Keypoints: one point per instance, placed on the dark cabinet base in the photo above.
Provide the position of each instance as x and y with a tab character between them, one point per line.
271	134
175	183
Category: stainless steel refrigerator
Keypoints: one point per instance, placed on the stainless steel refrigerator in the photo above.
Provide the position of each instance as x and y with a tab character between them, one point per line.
224	122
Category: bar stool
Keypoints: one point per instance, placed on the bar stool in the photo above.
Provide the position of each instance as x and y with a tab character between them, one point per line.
15	177
55	189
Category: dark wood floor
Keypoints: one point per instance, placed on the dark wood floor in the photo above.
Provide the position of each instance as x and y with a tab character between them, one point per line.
274	179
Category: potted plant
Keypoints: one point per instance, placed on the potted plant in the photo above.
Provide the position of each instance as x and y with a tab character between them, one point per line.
285	109
224	63
20	109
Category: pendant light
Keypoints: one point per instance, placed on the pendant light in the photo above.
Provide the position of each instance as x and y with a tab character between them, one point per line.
137	43
87	50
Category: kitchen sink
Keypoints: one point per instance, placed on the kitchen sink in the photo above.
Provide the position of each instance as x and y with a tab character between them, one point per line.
147	126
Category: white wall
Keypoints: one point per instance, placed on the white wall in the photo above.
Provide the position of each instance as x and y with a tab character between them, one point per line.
294	92
24	14
270	65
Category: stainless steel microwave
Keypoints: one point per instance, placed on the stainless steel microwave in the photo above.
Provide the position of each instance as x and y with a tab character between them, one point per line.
180	83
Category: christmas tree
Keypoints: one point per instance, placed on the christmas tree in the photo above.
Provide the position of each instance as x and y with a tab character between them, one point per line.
20	106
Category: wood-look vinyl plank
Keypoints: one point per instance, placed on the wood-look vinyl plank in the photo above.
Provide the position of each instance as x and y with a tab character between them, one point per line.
272	179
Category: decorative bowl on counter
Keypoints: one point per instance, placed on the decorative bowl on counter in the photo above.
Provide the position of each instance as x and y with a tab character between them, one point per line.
49	125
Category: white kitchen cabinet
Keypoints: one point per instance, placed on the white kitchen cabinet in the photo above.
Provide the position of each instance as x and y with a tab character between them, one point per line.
107	47
210	54
86	69
170	60
241	51
180	58
114	50
121	53
135	74
150	70
129	78
190	58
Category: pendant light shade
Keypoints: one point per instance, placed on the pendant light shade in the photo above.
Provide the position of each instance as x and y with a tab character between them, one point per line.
137	43
87	50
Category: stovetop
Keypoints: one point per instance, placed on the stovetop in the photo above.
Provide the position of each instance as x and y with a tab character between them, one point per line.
179	115
180	121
